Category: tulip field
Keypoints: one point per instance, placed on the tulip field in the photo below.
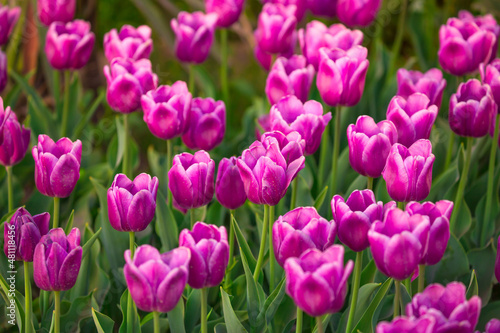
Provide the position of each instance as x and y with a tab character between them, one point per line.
250	166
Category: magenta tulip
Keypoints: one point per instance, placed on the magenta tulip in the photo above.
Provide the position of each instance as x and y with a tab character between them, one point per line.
130	42
430	83
275	28
14	138
229	187
358	12
228	11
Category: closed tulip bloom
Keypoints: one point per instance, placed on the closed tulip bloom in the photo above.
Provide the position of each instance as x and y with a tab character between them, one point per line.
275	27
194	35
289	115
229	187
4	76
486	22
50	11
357	12
156	281
228	11
493	326
57	260
8	19
399	242
27	231
299	230
369	145
132	204
300	6
207	124
430	83
317	35
448	306
472	109
408	171
490	75
127	81
69	46
402	324
191	180
14	138
209	254
317	281
324	8
57	166
166	110
341	75
497	262
130	42
412	116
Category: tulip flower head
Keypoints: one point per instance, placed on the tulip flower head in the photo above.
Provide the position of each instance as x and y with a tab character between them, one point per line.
228	11
14	138
430	83
229	187
493	326
402	324
486	22
130	42
276	27
8	19
490	75
300	6
50	11
324	8
357	12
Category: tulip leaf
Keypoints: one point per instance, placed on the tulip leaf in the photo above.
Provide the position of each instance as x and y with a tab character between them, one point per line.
120	132
147	324
88	245
8	216
73	312
453	265
84	121
253	297
18	299
463	221
136	328
365	294
273	301
488	312
193	312
220	328
321	198
473	288
244	246
199	213
358	184
166	225
233	324
103	323
482	261
368	273
444	182
176	318
485	230
69	224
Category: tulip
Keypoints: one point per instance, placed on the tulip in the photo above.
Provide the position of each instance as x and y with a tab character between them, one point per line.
497	261
300	6
69	46
265	59
57	260
8	19
358	12
490	75
228	11
166	110
4	76
472	109
275	27
26	231
341	75
493	326
127	82
369	145
317	35
424	324
50	11
194	35
57	166
299	230
317	281
412	116
324	8
207	124
130	42
486	22
408	171
289	115
430	83
156	281
14	138
229	187
191	180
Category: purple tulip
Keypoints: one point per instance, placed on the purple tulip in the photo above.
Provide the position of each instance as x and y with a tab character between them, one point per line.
299	230
127	82
132	204
497	261
50	11
69	45
430	83
194	35
265	59
57	260
4	76
228	11
412	116
209	254
156	281
130	42
57	166
191	180
369	145
289	77
289	115
317	35
14	138
324	8
275	29
486	22
448	306
268	166
408	171
229	187
8	19
472	109
341	75
358	12
300	6
493	326
490	75
317	281
424	324
207	124
399	242
23	233
355	216
166	110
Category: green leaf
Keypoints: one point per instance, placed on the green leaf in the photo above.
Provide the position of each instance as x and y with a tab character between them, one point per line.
136	327
18	301
364	296
321	198
273	302
88	245
176	318
253	297
368	273
444	182
200	213
220	328
193	311
483	262
84	121
473	288
120	130
103	323
453	265
488	312
73	312
463	221
166	225
69	225
244	246
9	215
358	184
233	324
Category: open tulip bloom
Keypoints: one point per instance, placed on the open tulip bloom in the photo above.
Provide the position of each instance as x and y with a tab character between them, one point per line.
130	42
276	27
430	83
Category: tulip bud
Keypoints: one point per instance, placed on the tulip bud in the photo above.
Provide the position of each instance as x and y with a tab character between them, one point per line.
490	75
57	260
229	188
317	281
487	23
209	254
497	261
4	76
50	11
8	19
275	28
57	166
323	8
166	110
228	11
130	42
369	145
26	231
401	324
289	115
300	6
408	171
358	12
69	46
14	138
299	230
156	281
430	83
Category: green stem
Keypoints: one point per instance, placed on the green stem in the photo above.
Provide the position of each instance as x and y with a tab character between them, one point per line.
223	67
336	148
10	189
130	304
27	297
319	325
397	296
295	186
191	78
355	289
300	317
204	300
57	202
322	157
401	205
65	115
156	317
57	309
272	259
169	165
407	283
398	40
231	250
369	183
125	162
131	239
421	278
263	242
192	217
449	152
